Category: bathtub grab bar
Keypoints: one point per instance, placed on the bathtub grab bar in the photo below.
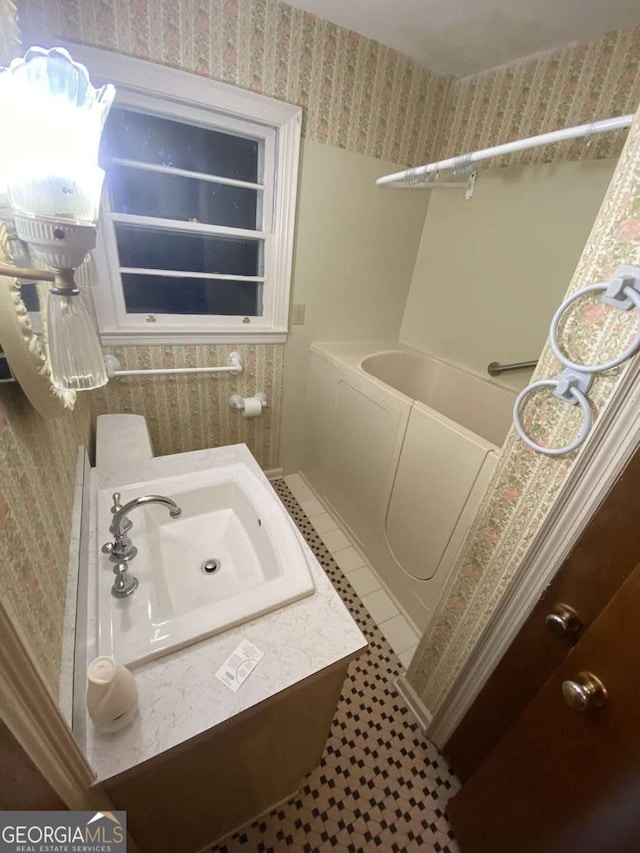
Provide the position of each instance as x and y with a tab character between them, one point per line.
495	368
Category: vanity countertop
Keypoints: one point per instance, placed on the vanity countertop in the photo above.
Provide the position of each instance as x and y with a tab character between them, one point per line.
179	695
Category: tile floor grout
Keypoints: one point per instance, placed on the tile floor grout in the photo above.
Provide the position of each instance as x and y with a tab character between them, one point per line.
381	785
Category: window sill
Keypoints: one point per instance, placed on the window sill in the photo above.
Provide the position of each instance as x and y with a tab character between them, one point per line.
167	338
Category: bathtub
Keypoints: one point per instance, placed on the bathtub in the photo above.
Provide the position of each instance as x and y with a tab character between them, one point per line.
401	447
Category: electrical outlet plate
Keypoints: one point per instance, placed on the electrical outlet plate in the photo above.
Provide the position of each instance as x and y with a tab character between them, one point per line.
297	315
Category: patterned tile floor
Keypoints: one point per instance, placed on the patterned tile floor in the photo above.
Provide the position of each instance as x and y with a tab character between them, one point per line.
381	784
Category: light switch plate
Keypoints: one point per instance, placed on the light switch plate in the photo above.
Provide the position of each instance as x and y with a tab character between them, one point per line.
297	315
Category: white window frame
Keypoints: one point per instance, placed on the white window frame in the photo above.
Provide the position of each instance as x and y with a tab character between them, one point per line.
146	87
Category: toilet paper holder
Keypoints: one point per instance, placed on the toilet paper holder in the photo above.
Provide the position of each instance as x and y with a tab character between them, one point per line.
236	401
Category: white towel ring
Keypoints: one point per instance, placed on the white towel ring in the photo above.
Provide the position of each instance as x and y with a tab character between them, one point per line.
633	295
579	399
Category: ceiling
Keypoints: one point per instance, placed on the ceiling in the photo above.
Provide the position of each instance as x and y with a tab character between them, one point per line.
462	37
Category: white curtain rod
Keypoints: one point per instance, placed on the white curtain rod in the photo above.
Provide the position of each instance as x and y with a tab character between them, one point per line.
463	161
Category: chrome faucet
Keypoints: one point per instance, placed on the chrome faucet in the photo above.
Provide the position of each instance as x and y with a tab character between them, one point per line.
122	548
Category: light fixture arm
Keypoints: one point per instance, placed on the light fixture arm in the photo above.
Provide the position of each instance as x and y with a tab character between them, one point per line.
62	280
22	272
25	350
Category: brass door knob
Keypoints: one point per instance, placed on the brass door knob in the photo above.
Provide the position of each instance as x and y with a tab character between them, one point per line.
584	691
563	620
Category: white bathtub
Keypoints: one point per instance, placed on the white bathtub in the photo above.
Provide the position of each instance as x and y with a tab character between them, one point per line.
401	447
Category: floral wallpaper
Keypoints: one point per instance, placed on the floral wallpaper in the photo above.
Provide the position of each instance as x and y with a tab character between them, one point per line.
202	400
526	483
37	473
356	93
592	80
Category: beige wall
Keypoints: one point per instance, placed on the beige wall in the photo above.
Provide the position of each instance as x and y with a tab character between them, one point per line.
355	249
491	271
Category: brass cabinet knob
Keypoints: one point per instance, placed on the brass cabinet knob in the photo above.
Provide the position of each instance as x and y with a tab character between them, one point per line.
563	620
584	691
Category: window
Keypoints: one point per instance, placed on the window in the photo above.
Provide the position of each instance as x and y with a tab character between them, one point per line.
196	228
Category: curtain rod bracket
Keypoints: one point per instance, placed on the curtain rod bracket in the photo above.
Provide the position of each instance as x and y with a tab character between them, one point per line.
471	185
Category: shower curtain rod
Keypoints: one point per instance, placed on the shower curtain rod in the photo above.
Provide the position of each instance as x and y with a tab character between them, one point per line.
463	161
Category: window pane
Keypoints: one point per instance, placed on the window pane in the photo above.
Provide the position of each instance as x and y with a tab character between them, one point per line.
137	136
5	370
157	249
149	294
172	197
29	294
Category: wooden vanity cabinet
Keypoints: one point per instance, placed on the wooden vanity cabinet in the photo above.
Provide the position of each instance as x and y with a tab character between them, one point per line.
193	795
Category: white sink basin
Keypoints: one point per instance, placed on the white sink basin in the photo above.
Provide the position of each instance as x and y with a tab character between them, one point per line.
228	516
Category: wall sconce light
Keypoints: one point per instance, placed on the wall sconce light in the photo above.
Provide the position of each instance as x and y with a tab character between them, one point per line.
53	121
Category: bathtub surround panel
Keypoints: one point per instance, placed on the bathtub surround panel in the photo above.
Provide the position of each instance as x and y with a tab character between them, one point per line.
526	483
401	477
511	251
584	82
356	94
354	256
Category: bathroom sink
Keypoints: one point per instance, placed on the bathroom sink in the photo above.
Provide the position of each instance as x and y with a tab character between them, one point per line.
232	555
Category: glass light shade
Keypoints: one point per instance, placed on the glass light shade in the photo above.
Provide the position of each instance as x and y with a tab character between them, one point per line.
87	275
4	198
77	362
53	119
76	198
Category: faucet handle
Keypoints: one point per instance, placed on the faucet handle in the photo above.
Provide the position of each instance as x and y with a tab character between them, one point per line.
124	583
126	524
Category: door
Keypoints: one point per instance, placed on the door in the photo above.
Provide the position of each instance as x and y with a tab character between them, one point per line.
563	780
601	560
